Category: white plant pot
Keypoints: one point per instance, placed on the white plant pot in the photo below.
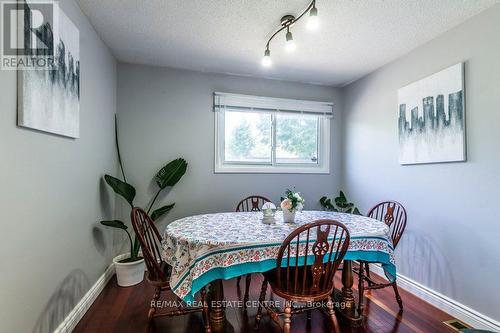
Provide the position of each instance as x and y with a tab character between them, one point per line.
129	273
288	216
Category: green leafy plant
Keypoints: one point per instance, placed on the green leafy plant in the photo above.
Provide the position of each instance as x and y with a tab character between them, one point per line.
339	204
166	177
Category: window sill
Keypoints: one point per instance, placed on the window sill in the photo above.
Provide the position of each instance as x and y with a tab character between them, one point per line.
271	169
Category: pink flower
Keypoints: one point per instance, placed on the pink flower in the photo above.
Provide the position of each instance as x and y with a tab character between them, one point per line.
286	204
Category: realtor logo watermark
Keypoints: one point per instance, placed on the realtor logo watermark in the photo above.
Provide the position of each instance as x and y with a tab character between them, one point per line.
240	304
27	34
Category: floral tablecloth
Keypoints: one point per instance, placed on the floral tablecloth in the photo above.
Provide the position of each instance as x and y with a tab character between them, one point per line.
208	247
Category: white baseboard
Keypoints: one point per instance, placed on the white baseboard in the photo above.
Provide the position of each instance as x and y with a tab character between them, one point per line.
72	319
444	303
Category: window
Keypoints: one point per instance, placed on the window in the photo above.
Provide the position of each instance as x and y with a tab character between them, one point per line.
271	135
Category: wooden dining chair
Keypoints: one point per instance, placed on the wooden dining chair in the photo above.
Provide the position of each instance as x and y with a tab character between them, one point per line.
297	282
158	271
252	203
394	215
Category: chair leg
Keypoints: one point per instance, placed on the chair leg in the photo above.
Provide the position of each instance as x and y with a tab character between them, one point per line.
206	317
308	322
332	316
398	297
152	307
262	298
287	318
247	290
238	280
367	269
361	288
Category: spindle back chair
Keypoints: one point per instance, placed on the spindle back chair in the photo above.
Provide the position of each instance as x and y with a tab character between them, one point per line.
150	240
158	273
252	203
331	240
394	215
306	265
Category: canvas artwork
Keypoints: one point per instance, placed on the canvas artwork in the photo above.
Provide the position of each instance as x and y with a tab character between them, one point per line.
432	118
49	98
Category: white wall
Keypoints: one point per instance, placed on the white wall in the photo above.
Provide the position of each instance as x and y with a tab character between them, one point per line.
452	242
167	113
51	197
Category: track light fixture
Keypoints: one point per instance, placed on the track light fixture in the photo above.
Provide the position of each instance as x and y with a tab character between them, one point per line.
286	22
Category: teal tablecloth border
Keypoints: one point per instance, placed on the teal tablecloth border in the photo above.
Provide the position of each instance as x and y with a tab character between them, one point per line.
226	273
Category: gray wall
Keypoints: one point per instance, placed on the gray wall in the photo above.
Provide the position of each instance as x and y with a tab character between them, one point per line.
451	244
167	113
51	197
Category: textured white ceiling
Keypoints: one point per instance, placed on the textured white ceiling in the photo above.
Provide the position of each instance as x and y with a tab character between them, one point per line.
229	36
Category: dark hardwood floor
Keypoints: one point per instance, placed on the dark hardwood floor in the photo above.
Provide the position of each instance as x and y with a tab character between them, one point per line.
124	310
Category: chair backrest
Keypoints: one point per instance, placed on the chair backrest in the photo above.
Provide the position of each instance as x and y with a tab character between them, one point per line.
394	215
327	241
150	241
252	203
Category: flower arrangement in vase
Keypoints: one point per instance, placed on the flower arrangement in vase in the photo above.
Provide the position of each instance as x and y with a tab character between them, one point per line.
291	204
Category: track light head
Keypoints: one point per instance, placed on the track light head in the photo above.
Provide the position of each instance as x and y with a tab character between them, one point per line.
313	20
290	44
266	61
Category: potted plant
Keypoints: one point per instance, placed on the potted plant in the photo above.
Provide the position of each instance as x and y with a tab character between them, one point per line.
340	204
130	266
290	204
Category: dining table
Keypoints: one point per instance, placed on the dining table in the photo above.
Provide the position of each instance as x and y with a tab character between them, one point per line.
206	249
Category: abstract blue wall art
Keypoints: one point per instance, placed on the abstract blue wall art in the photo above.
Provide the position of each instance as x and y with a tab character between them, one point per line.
432	118
49	96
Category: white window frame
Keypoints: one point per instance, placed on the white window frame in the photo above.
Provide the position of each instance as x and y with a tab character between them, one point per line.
273	106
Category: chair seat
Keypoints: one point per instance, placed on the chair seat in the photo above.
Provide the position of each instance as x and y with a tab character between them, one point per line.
167	270
304	293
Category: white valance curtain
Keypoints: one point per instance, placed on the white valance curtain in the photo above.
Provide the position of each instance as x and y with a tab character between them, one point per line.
236	102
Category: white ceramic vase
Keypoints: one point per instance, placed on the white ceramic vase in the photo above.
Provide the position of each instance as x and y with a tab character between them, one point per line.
288	216
129	273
